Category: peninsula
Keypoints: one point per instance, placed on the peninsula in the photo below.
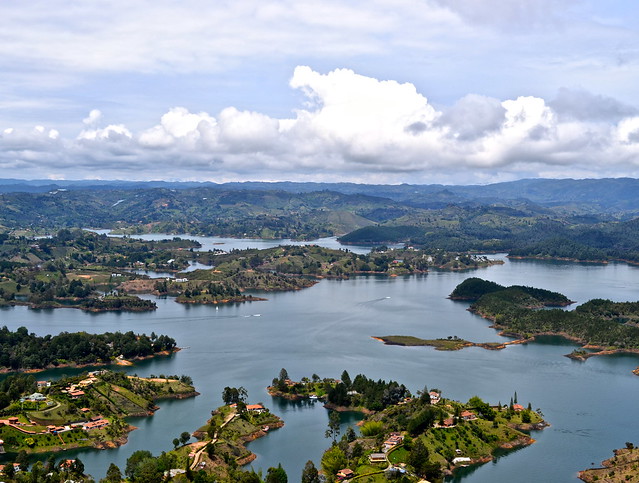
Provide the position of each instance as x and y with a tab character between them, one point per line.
220	452
80	411
415	437
621	467
602	326
24	351
96	273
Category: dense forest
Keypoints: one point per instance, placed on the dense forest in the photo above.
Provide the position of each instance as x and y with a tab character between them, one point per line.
573	219
602	323
367	393
20	349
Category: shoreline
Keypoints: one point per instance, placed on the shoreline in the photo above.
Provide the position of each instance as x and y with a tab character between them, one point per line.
461	344
601	350
71	365
573	260
32	306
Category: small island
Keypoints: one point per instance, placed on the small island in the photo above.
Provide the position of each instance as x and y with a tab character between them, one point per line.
223	439
451	343
81	411
220	452
621	467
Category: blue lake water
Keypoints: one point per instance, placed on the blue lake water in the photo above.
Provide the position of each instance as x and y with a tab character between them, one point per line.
327	328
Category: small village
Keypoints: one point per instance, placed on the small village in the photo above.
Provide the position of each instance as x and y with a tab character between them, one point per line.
82	411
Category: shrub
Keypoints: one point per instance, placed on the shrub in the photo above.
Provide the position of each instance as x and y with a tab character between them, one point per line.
371	428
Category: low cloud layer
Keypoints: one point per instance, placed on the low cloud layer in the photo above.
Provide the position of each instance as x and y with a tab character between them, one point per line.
348	127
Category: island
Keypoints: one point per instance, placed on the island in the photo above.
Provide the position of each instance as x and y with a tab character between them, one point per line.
451	343
601	326
87	410
89	271
428	437
621	467
24	351
405	435
220	454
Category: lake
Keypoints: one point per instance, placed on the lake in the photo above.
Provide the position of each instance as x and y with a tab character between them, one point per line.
327	328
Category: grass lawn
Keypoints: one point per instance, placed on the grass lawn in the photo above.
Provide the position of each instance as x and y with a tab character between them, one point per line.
398	455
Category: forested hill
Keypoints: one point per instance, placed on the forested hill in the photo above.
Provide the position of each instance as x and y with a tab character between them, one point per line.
602	323
566	225
207	211
609	195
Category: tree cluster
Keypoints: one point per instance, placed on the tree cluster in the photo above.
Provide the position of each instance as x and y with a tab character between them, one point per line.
21	350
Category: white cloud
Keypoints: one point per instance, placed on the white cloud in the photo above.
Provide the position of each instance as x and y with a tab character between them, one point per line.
179	126
348	127
112	133
94	116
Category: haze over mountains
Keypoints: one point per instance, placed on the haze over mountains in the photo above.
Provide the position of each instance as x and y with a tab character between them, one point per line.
594	220
608	195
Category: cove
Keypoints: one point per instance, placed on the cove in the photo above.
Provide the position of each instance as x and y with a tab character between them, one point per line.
326	329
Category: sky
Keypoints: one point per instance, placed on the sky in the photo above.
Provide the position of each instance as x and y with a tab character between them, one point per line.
370	91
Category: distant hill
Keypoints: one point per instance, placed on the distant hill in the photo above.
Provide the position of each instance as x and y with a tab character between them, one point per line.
608	195
576	219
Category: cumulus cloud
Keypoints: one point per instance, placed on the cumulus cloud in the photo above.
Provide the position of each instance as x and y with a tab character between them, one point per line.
94	116
582	105
473	116
349	127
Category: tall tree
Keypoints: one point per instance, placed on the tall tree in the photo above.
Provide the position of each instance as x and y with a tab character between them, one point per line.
113	474
418	456
333	426
283	374
310	473
134	460
233	395
346	379
276	475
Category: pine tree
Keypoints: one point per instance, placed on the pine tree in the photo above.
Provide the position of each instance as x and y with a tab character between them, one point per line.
310	473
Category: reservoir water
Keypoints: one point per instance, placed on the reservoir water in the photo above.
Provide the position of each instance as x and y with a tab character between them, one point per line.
327	328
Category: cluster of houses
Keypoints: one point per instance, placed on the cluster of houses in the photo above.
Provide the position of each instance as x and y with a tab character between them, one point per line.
76	391
96	422
11	421
465	415
391	442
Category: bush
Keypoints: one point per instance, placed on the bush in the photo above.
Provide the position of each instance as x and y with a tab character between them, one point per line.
372	428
